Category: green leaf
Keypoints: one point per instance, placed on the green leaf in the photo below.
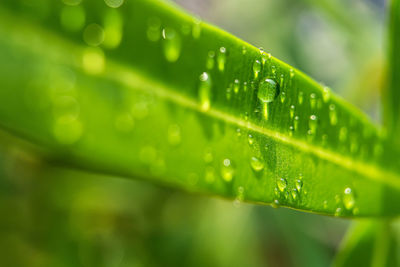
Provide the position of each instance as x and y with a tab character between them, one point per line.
146	91
391	99
368	243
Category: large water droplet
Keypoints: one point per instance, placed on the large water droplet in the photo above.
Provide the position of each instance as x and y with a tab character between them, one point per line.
268	91
227	170
171	45
256	164
204	91
221	58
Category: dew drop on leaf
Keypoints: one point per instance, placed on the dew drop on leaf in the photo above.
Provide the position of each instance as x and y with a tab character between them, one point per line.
281	183
204	91
171	45
313	101
291	111
250	139
210	60
196	29
256	164
348	198
227	170
326	94
256	68
332	114
221	59
299	184
236	86
313	124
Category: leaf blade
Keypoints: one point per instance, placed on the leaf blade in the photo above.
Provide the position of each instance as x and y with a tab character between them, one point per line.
151	105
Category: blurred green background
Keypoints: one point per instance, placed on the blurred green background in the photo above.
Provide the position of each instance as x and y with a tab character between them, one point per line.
59	217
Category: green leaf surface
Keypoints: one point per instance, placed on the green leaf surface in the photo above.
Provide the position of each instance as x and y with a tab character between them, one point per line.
146	91
368	243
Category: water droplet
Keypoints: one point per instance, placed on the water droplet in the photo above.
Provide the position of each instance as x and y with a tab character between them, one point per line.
275	204
236	86
296	123
114	3
291	130
265	57
196	29
268	91
326	94
153	29
238	132
244	50
332	114
227	170
256	164
205	91
299	184
210	60
291	111
250	139
245	86
313	100
295	194
256	68
325	204
343	134
313	124
221	59
171	44
291	73
283	97
338	212
229	92
300	97
93	34
174	134
348	198
281	183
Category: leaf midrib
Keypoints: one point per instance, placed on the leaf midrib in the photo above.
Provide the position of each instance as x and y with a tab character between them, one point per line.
133	78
